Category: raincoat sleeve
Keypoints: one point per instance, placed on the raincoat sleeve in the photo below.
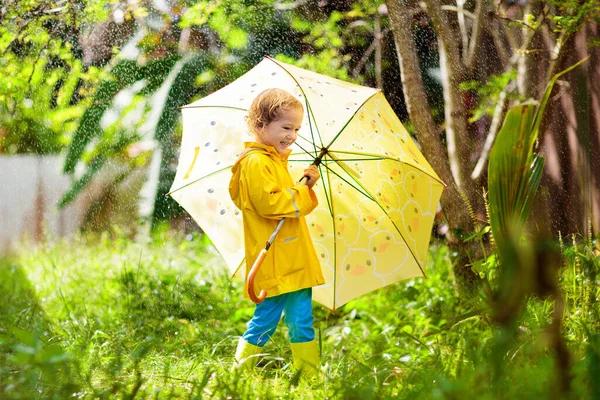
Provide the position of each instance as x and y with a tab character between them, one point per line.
271	199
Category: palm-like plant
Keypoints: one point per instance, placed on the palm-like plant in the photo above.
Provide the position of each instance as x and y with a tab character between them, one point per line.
515	170
166	84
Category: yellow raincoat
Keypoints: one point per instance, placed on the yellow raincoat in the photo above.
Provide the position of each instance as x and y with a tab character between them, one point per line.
264	191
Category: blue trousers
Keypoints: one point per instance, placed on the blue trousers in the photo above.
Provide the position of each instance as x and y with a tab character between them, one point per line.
298	318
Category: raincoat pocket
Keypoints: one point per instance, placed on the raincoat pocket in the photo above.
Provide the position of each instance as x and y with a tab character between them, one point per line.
286	257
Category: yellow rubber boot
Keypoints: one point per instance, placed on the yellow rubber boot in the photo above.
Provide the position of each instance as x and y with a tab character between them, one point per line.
245	355
306	358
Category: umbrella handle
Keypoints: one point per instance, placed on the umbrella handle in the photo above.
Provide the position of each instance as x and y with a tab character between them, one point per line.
263	293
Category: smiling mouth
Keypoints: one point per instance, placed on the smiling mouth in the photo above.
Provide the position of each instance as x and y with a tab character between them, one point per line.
285	143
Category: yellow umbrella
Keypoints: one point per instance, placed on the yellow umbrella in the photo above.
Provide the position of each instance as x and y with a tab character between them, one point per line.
377	194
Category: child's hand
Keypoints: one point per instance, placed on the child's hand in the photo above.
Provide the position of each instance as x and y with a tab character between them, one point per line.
313	175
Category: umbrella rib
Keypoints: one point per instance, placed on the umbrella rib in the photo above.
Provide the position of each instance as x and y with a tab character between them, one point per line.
238	267
370	195
357	153
435	178
328	196
366	194
216	172
308	114
382	157
197	180
352	159
352	117
305	152
327	171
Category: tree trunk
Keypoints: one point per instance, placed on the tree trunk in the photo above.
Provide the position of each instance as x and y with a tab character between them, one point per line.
455	209
453	74
570	133
569	139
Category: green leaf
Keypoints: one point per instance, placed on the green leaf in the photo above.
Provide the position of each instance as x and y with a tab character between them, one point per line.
89	127
233	36
508	165
53	354
514	172
156	71
68	88
123	74
182	80
25	337
93	168
548	92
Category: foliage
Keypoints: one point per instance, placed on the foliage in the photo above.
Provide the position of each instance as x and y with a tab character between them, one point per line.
515	172
113	318
155	83
44	85
489	93
572	14
114	140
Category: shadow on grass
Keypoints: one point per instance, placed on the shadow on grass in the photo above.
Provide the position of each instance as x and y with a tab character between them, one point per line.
31	364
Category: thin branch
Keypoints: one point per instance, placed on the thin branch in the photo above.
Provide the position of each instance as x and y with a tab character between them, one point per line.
500	44
378	55
363	60
515	21
556	51
463	28
360	23
494	128
400	14
453	73
498	111
476	36
467	13
289	6
509	36
527	81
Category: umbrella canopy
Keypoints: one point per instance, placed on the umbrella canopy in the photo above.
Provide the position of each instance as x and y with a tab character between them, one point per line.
377	194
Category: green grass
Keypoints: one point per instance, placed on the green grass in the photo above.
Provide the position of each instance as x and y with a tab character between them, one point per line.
102	318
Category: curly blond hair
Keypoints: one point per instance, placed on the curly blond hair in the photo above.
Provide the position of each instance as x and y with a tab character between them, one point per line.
267	107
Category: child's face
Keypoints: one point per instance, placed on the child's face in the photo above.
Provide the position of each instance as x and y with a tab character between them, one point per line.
282	132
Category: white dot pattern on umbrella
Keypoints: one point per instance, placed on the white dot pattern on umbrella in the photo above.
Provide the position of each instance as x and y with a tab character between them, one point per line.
377	196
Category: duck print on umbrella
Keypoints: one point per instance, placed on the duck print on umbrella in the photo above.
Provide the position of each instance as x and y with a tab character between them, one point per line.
372	215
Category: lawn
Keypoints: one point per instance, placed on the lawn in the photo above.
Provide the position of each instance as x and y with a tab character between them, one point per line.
101	317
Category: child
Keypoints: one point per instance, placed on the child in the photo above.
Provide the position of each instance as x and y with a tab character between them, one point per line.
264	191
